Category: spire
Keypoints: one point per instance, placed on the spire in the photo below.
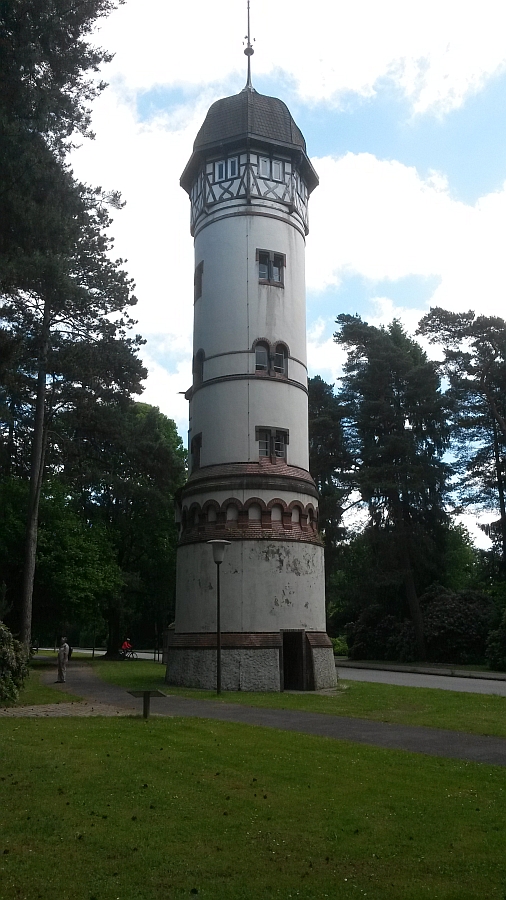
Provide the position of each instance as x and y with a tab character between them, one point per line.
249	53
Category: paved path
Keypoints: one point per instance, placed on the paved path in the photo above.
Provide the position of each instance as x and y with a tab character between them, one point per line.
105	699
472	684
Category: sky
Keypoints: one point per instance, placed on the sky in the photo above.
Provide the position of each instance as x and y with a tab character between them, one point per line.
402	105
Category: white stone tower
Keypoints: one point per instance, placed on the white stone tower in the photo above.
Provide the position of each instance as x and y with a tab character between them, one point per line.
249	179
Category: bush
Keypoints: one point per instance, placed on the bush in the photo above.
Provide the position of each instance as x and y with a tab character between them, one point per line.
13	666
376	636
496	647
340	646
456	625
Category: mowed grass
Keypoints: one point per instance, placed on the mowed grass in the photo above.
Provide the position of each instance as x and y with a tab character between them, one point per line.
34	693
101	809
475	713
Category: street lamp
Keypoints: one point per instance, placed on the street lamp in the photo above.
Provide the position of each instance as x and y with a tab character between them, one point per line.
218	554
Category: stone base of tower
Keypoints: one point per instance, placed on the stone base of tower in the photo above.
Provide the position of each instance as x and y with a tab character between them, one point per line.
291	660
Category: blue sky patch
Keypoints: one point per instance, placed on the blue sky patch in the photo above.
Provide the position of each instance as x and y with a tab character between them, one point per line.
356	294
468	145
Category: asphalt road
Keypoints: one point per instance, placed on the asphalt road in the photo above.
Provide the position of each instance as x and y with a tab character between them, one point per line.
383	676
414	679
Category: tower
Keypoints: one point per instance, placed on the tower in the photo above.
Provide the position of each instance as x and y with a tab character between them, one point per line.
249	179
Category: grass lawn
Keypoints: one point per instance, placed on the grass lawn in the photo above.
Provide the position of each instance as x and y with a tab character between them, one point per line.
475	713
101	809
34	693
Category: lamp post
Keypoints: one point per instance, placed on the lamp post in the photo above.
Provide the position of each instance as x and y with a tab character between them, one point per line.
218	554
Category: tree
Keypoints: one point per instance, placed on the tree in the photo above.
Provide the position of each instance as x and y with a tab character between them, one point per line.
328	458
13	666
475	364
397	421
124	463
57	281
73	330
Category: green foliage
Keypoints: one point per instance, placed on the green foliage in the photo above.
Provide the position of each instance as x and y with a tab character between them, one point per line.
496	647
77	571
328	458
397	423
13	666
122	464
63	297
340	645
475	365
456	624
460	559
378	636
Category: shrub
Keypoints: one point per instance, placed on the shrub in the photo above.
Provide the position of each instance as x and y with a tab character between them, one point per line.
13	666
340	646
456	624
376	636
496	647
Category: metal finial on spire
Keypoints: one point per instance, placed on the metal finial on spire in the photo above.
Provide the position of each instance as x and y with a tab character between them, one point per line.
249	53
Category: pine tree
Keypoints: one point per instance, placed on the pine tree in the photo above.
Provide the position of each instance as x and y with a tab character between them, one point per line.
397	424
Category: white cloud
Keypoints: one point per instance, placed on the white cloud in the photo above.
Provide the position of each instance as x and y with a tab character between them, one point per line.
381	220
162	384
436	51
324	356
377	219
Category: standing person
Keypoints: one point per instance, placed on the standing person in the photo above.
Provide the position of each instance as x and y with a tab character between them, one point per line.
63	655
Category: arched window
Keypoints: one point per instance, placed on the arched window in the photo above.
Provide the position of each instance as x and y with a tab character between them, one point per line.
232	512
211	514
277	513
280	359
261	358
254	512
295	515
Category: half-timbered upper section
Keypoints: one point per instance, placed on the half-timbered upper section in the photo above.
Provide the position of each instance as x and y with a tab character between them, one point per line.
249	150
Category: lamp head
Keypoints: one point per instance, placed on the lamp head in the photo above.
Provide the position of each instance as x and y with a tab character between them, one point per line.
218	550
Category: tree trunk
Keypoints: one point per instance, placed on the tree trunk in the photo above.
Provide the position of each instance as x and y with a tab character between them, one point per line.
36	476
500	488
409	582
113	637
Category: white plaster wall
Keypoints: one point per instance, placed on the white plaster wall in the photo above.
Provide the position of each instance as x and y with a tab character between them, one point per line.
234	308
244	363
227	414
265	586
229	364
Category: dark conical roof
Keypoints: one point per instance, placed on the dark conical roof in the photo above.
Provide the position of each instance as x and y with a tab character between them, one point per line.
244	117
249	114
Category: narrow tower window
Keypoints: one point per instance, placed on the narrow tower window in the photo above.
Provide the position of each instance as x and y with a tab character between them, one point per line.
271	267
198	368
226	168
280	442
264	442
261	358
280	359
277	170
195	449
265	167
197	281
